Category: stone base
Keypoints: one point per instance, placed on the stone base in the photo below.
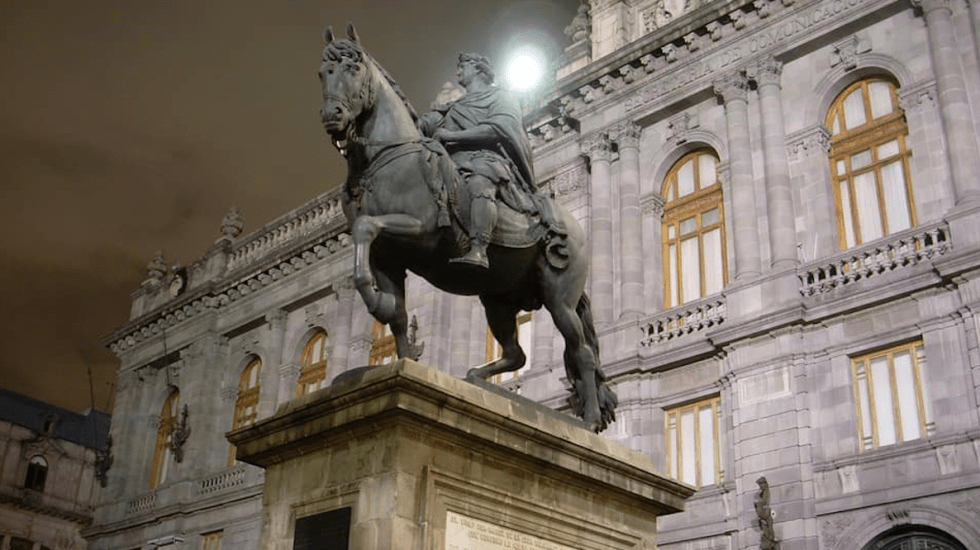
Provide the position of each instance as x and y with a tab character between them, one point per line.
406	457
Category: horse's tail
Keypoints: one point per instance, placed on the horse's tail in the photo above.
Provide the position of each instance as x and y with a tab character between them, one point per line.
607	399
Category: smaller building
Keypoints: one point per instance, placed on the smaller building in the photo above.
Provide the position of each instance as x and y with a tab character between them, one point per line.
52	465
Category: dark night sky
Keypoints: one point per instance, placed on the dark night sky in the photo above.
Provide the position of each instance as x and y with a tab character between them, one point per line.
128	127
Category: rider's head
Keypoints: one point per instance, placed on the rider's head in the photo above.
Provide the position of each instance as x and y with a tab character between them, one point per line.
480	63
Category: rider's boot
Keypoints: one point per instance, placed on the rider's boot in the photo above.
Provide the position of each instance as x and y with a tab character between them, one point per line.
483	217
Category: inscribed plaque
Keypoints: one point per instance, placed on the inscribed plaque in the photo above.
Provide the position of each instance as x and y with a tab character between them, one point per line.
465	533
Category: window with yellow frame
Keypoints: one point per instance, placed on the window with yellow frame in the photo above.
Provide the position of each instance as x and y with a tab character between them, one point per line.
313	364
383	350
869	163
693	447
890	396
524	338
162	455
247	403
695	263
212	540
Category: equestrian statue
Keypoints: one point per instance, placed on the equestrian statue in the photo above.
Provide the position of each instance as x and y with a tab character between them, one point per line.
451	197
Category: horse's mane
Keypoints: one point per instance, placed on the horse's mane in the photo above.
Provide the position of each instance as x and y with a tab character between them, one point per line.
339	49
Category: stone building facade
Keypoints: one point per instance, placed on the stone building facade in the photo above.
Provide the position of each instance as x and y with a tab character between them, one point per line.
785	224
51	462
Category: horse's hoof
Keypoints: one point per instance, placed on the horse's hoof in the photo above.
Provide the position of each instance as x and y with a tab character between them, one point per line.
475	375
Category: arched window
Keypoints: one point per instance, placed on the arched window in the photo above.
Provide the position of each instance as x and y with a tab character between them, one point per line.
869	163
247	403
314	364
383	345
37	472
163	456
695	263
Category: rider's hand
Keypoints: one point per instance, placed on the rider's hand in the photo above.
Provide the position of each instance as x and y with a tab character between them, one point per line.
442	134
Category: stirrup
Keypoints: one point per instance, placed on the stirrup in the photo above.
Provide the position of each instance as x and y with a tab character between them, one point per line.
475	257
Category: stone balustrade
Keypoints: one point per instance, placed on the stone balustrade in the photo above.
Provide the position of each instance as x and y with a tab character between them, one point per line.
685	319
222	480
305	221
896	251
142	503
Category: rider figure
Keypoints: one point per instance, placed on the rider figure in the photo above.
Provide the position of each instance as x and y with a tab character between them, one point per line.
484	134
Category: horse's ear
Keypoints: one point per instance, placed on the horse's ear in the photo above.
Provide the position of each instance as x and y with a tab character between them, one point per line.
328	35
351	32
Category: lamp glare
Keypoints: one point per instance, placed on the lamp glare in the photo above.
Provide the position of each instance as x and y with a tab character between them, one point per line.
523	73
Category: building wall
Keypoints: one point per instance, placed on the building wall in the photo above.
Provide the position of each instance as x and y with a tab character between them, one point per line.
776	348
48	514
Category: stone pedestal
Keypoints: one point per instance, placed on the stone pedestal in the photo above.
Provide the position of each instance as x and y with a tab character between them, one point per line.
405	457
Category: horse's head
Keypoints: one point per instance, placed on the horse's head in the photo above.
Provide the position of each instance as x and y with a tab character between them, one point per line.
346	79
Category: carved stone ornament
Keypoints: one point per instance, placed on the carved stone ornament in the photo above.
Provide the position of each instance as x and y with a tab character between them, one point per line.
415	347
764	513
652	205
233	223
731	87
917	98
678	127
580	26
157	267
846	52
628	135
103	461
568	181
767	71
181	431
598	148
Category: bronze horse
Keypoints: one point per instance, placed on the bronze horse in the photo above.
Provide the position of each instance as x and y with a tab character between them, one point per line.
395	201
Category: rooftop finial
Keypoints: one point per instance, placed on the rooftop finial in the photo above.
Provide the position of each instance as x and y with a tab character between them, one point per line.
232	223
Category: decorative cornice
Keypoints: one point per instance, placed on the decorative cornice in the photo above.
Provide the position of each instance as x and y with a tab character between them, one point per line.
221	296
755	27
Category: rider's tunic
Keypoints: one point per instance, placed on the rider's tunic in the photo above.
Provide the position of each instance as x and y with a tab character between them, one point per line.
506	162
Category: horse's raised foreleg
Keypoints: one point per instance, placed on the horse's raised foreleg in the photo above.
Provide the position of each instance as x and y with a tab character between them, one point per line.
380	303
391	281
502	320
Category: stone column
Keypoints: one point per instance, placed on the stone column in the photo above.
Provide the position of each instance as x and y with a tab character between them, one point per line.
652	208
631	233
599	150
733	90
288	378
344	289
782	218
268	398
954	104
